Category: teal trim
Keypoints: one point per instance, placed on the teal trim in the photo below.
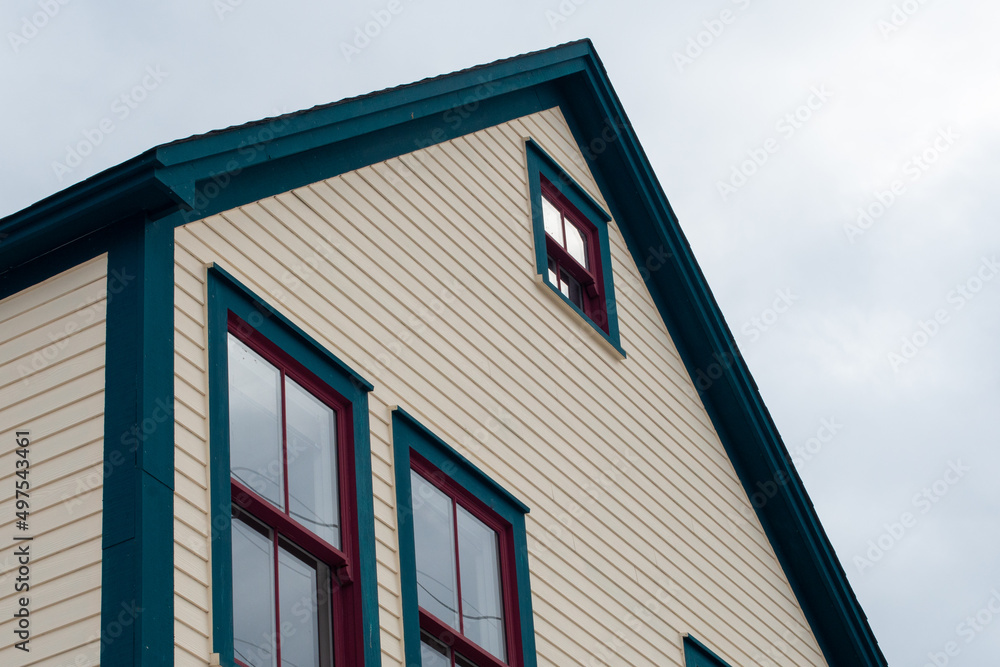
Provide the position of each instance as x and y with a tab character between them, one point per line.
267	311
539	162
478	481
408	435
53	263
121	192
189	179
226	294
705	343
137	594
566	184
697	654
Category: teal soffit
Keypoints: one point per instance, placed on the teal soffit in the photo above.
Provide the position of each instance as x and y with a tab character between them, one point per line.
188	179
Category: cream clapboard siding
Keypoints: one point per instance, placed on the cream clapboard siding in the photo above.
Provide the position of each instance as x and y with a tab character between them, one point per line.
419	272
192	598
52	357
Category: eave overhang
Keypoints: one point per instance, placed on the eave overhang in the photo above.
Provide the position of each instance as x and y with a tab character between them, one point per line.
206	174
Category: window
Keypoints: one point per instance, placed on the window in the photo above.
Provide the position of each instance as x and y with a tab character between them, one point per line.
697	654
287	557
289	425
463	552
571	243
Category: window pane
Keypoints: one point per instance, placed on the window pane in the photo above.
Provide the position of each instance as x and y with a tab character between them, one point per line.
576	244
571	287
255	422
434	537
312	463
253	594
303	623
432	652
553	221
482	603
553	278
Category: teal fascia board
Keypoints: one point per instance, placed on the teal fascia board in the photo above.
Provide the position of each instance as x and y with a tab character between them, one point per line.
129	191
187	180
704	341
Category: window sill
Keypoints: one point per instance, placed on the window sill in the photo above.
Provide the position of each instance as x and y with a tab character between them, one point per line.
583	333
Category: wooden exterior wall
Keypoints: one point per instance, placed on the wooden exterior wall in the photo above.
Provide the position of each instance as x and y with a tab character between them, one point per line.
420	274
52	359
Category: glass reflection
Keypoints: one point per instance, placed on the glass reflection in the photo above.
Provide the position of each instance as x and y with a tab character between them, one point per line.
312	463
299	605
433	653
253	593
553	221
255	422
576	244
433	530
482	602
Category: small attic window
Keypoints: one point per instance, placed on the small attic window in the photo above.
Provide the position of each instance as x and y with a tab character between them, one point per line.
571	243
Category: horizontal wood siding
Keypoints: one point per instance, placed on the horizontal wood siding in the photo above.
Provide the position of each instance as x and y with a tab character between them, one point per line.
419	272
52	358
192	598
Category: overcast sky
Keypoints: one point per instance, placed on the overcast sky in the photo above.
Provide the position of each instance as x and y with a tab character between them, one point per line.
832	164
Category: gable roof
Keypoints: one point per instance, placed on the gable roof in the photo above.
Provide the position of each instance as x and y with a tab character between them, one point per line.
195	177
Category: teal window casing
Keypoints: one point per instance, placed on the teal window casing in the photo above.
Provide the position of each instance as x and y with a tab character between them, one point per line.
697	654
545	173
227	295
410	436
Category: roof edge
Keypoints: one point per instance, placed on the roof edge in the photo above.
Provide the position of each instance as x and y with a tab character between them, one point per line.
166	179
123	191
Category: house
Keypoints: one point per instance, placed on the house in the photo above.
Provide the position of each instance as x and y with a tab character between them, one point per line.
428	376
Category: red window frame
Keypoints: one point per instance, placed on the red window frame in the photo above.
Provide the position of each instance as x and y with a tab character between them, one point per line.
591	280
345	598
434	626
